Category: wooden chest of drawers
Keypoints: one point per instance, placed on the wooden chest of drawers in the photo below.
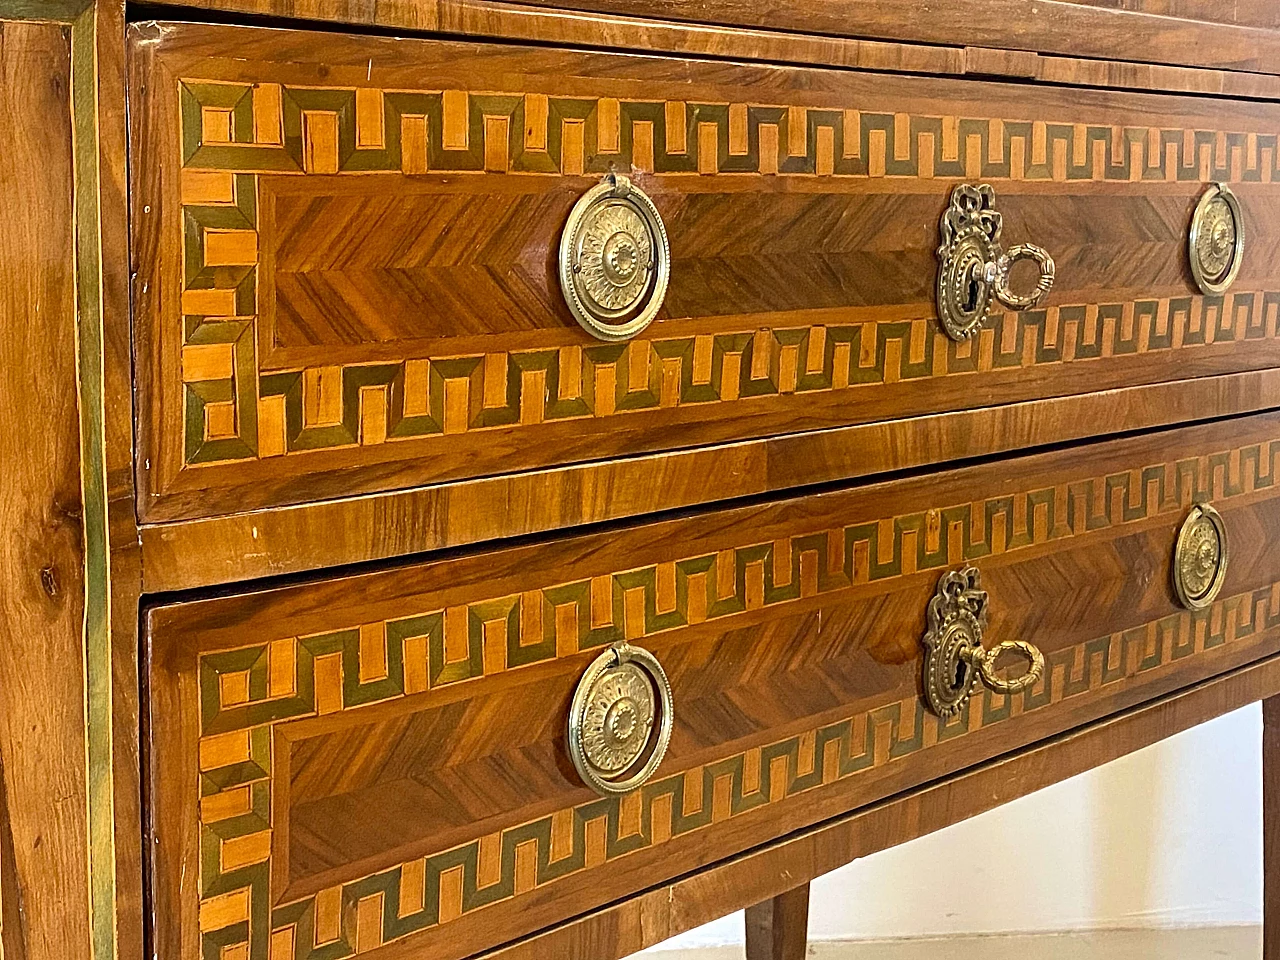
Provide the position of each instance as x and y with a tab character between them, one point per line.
520	480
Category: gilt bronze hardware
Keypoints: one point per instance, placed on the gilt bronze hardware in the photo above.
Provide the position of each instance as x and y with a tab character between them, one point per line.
615	261
1200	557
620	719
974	268
1215	242
955	658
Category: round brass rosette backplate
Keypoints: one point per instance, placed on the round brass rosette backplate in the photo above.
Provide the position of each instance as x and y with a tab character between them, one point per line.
1200	557
620	719
615	261
1215	243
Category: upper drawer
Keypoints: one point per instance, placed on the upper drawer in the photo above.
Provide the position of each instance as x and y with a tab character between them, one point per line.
382	764
346	253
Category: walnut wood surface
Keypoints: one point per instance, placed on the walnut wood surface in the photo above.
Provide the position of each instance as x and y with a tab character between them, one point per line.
778	928
1080	71
1236	37
1271	828
348	734
44	839
1051	26
500	20
191	554
1254	13
306	334
661	912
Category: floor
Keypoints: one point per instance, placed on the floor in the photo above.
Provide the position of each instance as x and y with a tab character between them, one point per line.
1197	943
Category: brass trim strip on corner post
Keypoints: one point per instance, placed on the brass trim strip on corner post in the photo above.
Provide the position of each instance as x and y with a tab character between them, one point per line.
90	363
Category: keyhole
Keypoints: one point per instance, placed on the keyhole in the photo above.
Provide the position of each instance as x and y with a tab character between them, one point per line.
973	289
962	674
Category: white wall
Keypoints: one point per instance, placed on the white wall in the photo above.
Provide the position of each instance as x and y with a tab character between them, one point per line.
1168	836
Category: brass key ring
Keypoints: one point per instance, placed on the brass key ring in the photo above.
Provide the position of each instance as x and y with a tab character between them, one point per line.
1004	265
985	663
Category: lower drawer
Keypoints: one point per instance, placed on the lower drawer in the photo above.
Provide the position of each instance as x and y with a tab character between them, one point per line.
381	762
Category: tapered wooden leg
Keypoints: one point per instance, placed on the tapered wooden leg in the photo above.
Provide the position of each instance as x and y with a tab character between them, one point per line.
778	929
1271	829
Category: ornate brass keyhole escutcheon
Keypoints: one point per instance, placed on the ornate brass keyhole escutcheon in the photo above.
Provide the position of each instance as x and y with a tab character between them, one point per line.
615	261
955	659
1215	242
620	719
1200	557
974	269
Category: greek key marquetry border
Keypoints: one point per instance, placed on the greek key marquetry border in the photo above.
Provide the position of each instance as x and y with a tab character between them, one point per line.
232	132
244	692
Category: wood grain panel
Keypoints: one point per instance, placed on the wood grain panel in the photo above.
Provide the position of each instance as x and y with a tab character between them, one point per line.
1252	13
359	738
362	271
1138	31
323	313
496	19
71	877
1054	26
44	836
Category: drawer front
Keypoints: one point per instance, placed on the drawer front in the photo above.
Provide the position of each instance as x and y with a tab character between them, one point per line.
347	250
382	759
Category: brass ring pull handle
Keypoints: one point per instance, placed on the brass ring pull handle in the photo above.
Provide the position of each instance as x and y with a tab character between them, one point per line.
1200	557
973	267
1004	265
620	720
985	662
955	659
1215	240
615	261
